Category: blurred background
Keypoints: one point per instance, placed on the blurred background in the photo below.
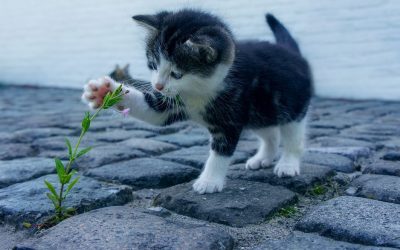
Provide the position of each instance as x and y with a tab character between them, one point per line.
353	46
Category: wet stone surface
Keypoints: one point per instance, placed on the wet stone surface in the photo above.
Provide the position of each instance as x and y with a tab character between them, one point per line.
382	167
241	203
310	176
335	161
24	169
377	187
357	220
25	201
299	240
145	173
347	196
126	228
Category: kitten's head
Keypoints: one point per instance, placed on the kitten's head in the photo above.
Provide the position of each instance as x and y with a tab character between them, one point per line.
188	51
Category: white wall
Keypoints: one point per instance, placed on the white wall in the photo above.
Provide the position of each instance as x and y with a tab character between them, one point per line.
353	46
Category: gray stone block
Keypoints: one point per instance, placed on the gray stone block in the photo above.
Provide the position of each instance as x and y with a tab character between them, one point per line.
11	151
118	135
20	170
103	155
340	142
377	187
356	220
126	228
300	241
309	176
353	153
145	173
334	161
240	203
27	201
383	167
147	145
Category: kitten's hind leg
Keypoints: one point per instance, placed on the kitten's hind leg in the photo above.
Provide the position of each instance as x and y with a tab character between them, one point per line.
268	149
293	140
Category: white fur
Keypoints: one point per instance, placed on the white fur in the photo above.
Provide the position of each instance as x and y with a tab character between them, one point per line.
212	178
269	143
293	140
134	100
162	74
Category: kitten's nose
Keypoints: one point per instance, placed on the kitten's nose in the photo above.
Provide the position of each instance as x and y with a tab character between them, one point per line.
159	86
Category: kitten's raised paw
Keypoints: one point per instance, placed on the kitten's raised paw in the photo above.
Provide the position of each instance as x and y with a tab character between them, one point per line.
203	186
257	162
284	168
95	91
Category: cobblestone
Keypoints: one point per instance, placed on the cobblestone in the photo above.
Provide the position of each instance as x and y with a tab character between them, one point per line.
356	220
310	176
353	150
241	203
377	187
383	167
27	201
20	170
145	173
126	228
299	240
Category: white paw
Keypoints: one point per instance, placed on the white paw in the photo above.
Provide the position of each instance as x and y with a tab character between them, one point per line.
95	91
287	168
257	162
204	185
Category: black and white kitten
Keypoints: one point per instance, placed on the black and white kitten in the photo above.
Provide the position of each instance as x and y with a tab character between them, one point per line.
224	85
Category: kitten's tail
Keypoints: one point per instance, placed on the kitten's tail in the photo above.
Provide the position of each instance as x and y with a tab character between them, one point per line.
281	34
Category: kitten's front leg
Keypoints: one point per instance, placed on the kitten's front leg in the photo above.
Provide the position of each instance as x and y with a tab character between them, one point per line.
212	178
144	106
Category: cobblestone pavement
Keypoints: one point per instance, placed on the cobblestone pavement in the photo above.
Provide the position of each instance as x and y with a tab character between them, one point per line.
135	191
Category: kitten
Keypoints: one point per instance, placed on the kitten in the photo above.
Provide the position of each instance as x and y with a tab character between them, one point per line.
223	84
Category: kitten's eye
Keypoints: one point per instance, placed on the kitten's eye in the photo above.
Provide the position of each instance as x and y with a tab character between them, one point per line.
176	75
152	65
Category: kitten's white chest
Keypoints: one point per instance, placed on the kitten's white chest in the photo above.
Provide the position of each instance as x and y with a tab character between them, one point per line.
194	108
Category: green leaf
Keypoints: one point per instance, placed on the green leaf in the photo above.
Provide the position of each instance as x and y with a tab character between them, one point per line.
53	199
106	98
72	184
83	151
112	102
117	91
69	147
67	177
51	188
60	169
86	122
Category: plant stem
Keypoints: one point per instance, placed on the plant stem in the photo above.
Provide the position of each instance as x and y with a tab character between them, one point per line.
72	159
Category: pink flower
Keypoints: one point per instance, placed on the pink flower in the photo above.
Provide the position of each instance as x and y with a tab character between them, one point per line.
125	112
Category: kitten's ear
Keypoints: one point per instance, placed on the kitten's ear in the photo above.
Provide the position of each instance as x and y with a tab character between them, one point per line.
117	67
148	21
203	50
